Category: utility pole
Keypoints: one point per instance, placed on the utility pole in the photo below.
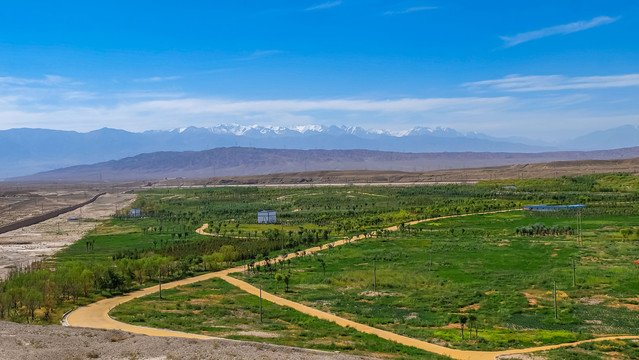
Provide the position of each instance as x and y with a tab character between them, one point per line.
579	239
554	292
374	277
260	303
574	274
430	266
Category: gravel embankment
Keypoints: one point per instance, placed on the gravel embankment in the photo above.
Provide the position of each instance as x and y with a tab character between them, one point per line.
33	342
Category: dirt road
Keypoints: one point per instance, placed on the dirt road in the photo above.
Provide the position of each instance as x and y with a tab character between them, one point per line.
201	231
96	315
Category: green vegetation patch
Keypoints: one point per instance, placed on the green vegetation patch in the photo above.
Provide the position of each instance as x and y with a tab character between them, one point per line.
422	281
483	270
216	308
600	350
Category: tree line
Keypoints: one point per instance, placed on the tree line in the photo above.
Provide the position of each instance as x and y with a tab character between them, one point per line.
540	229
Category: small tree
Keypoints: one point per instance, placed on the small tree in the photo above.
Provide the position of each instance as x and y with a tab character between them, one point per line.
472	323
32	300
279	277
50	298
287	278
87	280
5	304
323	263
462	321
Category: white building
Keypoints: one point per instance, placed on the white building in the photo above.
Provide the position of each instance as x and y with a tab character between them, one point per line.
266	217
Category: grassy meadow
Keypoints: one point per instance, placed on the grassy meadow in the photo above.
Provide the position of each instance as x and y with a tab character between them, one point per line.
216	308
494	274
613	349
501	282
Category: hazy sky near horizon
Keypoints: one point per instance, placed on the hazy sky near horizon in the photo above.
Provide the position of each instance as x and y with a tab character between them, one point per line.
539	69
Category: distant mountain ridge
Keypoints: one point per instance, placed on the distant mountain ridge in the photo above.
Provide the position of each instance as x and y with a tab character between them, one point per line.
28	151
240	161
623	136
253	130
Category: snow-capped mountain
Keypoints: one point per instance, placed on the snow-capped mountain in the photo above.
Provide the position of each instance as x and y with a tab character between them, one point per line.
260	130
26	151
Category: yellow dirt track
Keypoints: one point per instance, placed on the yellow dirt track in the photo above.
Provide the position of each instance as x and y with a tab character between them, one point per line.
96	315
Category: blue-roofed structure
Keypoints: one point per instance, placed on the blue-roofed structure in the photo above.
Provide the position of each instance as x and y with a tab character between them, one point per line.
554	207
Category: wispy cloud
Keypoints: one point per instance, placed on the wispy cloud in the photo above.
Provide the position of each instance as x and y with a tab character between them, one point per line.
155	79
410	10
18	92
114	110
212	106
517	39
258	54
555	82
325	5
37	102
147	95
47	80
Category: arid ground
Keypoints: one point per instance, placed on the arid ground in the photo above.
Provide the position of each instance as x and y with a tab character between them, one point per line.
33	342
437	177
26	245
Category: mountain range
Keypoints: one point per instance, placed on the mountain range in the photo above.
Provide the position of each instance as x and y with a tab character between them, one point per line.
239	161
27	151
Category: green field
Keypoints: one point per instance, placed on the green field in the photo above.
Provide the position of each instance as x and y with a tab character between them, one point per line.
479	268
493	272
233	314
604	350
123	254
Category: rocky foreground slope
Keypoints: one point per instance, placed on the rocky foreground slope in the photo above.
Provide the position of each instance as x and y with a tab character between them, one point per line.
34	342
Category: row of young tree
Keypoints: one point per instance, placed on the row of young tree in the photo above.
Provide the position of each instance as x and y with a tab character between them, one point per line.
540	229
36	291
390	207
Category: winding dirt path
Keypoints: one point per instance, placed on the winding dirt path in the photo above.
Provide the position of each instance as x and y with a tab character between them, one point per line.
96	315
201	231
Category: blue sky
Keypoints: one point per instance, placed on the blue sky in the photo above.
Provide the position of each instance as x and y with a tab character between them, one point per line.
541	69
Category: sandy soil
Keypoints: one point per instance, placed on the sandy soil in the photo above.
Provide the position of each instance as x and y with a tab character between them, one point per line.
32	342
24	246
18	205
436	177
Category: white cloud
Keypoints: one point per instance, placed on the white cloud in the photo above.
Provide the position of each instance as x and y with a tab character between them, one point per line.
141	114
66	105
257	54
216	106
557	30
61	103
410	10
78	95
325	5
48	80
40	93
158	79
147	95
555	82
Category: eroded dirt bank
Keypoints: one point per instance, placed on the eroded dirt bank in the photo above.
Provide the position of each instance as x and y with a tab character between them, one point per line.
34	342
24	246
